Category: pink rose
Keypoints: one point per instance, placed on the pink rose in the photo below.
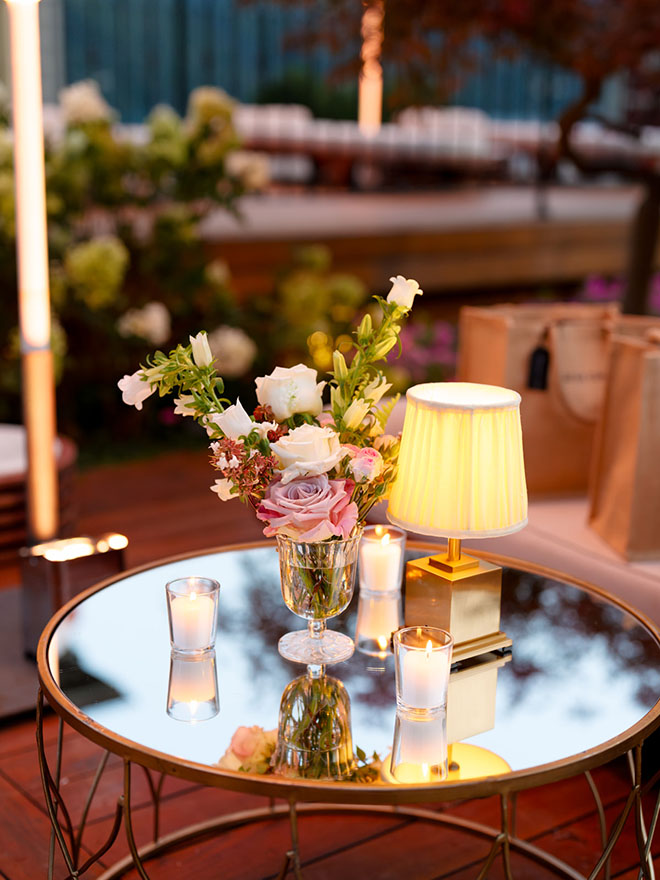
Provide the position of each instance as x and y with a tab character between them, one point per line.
326	419
309	509
350	449
245	740
366	465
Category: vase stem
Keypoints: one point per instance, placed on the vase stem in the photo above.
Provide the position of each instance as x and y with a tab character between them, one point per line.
316	628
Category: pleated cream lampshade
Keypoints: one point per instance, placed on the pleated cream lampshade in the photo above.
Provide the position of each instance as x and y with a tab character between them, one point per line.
461	469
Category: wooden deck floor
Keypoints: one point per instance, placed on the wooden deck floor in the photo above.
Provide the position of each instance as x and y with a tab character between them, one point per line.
164	507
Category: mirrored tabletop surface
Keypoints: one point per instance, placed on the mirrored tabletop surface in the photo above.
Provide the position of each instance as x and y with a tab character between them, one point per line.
581	671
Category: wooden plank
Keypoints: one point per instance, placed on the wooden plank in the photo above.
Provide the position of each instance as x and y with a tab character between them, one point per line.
24	836
254	850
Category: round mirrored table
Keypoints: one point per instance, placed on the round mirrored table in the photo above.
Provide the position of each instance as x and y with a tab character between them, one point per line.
580	686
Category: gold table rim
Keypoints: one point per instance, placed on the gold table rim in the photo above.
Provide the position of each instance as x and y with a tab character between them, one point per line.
343	792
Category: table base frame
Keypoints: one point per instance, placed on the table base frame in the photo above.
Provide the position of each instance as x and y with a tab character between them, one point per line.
504	839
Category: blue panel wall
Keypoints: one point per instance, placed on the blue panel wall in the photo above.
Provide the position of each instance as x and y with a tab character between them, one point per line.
145	52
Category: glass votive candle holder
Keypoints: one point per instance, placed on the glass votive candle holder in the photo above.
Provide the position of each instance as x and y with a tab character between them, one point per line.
192	693
378	616
192	607
381	557
419	750
422	661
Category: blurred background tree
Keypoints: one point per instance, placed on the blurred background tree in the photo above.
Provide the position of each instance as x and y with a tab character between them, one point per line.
433	46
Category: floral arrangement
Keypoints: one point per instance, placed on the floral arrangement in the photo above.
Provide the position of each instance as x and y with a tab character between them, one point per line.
310	474
129	268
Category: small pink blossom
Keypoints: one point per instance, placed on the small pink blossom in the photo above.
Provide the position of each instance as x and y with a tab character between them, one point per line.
309	509
350	449
326	419
245	741
366	465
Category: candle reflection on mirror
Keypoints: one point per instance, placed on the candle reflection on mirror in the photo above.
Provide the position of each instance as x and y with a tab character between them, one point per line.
192	693
419	750
378	616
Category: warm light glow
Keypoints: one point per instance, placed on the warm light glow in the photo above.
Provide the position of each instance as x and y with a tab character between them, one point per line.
64	550
385	540
461	470
370	94
193	596
425	771
102	546
419	632
379	530
382	642
429	648
31	235
117	541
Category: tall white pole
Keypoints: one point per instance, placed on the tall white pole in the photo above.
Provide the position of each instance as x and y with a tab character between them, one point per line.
32	260
370	87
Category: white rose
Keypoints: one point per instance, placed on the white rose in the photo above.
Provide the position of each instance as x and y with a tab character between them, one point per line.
200	349
289	390
232	350
135	389
234	422
403	291
307	451
222	489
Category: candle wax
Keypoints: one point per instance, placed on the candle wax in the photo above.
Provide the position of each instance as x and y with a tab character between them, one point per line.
424	678
192	621
380	565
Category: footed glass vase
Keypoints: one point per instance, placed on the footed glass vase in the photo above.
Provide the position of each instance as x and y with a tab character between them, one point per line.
317	579
314	738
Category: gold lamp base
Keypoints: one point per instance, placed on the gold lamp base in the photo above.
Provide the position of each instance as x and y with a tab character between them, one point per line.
460	594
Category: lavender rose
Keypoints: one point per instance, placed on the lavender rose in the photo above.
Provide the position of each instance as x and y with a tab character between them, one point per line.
309	509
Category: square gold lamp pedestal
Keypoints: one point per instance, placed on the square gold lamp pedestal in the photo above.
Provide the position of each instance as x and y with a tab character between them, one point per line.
464	601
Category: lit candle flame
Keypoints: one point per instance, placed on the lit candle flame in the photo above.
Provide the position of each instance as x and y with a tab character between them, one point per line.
385	540
193	596
419	632
429	648
382	642
425	771
379	531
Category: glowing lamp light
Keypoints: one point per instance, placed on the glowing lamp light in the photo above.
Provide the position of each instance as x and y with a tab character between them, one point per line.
461	475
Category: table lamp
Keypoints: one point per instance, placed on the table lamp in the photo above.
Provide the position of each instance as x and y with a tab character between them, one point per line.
461	475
